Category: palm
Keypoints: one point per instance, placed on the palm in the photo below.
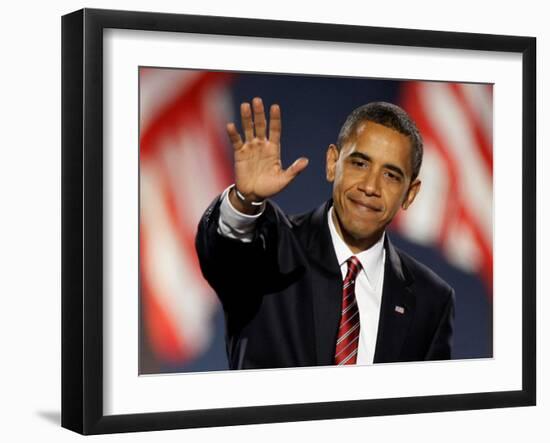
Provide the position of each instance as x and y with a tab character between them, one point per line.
258	168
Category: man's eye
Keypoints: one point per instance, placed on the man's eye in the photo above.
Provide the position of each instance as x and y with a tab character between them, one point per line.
393	176
358	163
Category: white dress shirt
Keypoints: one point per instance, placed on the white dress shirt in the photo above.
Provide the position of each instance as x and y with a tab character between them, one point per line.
368	284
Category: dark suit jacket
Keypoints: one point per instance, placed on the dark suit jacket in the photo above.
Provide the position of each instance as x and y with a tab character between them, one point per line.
282	295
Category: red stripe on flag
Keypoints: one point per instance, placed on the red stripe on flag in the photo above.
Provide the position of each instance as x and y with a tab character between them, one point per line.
178	112
412	104
483	143
164	340
455	205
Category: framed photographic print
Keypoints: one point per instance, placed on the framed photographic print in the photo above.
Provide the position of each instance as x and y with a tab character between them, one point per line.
177	316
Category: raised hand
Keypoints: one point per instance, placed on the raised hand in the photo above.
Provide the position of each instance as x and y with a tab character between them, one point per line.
258	169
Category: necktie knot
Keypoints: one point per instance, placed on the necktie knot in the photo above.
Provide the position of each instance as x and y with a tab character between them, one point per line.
354	267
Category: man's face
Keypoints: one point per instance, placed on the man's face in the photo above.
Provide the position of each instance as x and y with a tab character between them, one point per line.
371	178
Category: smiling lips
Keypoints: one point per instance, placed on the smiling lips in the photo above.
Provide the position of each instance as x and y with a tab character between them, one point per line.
366	206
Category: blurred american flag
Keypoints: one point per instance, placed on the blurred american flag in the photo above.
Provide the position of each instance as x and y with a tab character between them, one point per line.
455	211
182	123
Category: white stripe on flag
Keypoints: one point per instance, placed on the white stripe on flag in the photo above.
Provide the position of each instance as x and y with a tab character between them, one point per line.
474	180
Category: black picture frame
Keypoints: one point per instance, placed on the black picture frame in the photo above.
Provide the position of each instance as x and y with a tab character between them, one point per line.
82	219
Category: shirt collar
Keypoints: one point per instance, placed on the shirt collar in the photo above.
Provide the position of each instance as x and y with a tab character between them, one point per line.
371	259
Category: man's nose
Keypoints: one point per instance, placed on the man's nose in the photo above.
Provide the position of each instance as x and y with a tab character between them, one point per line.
370	184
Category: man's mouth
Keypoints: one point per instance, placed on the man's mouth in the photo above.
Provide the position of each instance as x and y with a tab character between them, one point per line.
365	206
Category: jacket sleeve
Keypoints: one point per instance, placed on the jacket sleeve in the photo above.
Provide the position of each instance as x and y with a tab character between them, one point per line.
441	345
239	272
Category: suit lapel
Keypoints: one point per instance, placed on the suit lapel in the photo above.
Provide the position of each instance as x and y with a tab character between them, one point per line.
397	308
326	297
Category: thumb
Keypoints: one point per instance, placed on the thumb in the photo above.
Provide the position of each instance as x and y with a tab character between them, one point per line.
295	168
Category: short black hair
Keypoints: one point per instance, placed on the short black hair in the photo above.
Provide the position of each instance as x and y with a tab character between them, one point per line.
391	116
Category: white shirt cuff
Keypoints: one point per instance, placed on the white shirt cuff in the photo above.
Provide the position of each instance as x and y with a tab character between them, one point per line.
234	224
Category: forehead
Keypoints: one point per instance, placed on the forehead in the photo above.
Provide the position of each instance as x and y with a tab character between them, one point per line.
380	142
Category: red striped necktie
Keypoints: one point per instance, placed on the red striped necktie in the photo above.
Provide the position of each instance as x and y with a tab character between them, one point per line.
348	332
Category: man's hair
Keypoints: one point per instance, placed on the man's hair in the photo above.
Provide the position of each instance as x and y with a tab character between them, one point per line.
391	116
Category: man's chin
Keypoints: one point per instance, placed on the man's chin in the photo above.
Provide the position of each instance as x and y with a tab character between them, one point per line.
363	234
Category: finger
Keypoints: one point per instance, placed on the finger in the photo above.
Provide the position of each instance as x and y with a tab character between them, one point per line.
234	136
246	121
295	168
275	124
259	117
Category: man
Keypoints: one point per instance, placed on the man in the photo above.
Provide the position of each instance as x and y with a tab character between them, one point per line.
327	287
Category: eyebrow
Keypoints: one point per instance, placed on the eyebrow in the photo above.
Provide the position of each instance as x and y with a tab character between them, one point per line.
389	166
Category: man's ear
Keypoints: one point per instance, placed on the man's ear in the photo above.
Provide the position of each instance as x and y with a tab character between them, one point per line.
332	157
412	192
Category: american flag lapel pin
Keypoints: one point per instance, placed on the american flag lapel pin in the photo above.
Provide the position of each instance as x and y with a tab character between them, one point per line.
400	309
